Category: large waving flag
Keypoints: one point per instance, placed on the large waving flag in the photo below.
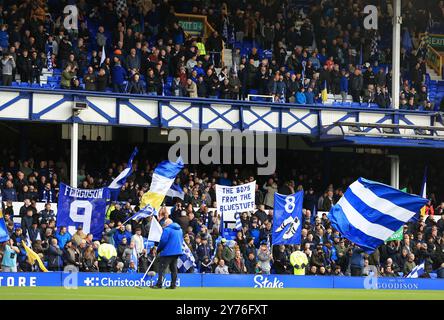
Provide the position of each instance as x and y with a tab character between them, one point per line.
163	178
120	180
176	191
4	235
370	212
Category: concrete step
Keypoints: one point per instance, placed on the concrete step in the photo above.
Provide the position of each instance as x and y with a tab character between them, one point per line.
433	75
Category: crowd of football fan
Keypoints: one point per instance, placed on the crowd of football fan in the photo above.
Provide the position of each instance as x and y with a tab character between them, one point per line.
249	252
147	51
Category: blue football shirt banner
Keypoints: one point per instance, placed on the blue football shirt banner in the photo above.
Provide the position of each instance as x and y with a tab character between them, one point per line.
287	218
82	207
370	212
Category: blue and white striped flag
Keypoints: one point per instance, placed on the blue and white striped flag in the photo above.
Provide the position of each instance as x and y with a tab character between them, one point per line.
176	191
185	261
370	212
417	271
145	212
238	226
120	180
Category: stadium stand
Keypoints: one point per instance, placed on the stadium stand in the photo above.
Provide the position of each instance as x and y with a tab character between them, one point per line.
289	51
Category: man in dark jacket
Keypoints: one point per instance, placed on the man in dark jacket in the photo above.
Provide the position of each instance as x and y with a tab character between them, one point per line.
24	66
214	46
101	80
90	80
152	83
170	247
54	256
136	86
36	67
356	85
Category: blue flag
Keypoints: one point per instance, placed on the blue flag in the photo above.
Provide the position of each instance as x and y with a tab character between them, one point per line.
407	41
4	235
82	207
417	271
120	180
176	191
370	212
143	213
287	218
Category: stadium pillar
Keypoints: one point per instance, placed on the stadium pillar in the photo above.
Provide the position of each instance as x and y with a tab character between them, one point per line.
396	53
74	153
394	171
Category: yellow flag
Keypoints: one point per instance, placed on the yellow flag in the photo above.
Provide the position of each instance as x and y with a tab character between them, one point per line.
324	93
33	257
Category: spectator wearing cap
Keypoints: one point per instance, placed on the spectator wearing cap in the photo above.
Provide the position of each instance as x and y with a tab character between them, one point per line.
203	249
227	251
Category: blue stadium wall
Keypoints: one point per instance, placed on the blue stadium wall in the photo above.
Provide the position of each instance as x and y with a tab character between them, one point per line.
61	279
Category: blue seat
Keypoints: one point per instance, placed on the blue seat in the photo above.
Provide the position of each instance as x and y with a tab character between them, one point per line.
355	105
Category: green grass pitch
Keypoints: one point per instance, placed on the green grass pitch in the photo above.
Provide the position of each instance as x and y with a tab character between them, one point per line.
113	293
